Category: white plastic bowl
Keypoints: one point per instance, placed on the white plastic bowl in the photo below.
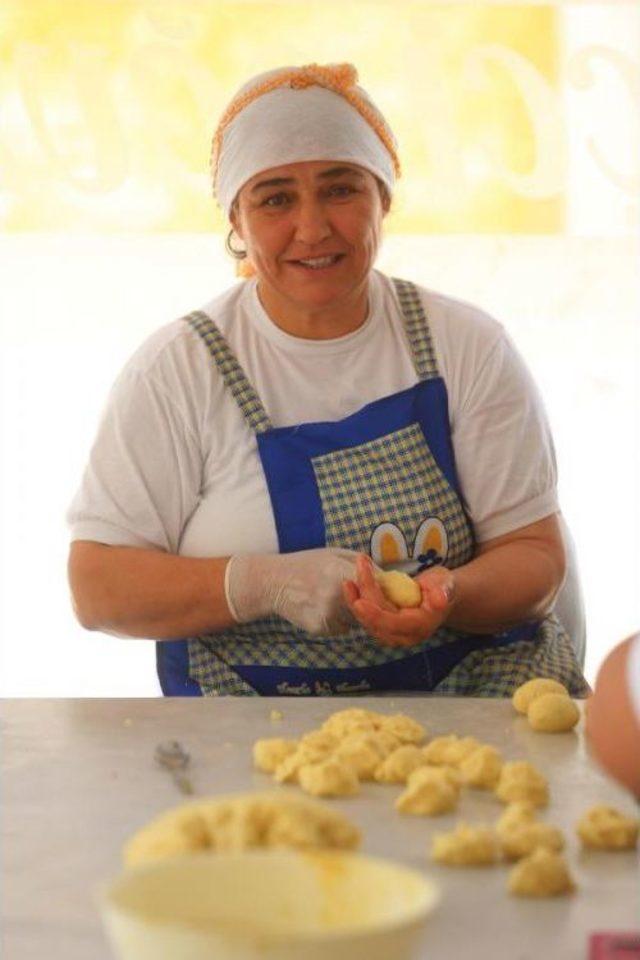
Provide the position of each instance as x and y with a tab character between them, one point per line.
268	904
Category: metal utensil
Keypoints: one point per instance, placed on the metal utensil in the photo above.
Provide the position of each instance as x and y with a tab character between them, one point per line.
173	757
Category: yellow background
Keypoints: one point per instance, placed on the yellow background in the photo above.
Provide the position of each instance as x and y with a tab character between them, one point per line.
108	107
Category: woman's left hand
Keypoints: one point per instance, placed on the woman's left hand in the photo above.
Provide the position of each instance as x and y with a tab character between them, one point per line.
392	626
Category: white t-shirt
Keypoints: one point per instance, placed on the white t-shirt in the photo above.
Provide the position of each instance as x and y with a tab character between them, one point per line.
174	465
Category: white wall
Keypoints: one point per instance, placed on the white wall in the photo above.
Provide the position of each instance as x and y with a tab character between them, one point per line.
74	307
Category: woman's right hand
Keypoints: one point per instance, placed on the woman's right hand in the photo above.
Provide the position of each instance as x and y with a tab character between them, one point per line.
304	588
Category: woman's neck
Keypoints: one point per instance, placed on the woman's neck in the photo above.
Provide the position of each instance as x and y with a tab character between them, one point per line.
325	322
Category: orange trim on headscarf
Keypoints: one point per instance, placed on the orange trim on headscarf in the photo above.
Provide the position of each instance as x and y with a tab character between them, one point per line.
341	78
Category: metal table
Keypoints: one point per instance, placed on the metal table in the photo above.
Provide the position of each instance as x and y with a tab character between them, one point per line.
79	778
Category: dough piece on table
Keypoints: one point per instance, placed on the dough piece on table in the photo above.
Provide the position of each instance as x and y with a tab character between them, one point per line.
516	814
605	828
239	822
450	750
397	766
399	588
481	768
269	754
429	792
405	729
553	713
542	874
527	692
520	841
361	752
521	781
331	778
466	846
352	720
287	770
275	715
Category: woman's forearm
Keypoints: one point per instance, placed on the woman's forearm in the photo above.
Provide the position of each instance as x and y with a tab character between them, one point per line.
133	592
509	584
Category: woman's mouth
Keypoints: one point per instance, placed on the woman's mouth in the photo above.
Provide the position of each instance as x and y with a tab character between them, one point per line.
317	263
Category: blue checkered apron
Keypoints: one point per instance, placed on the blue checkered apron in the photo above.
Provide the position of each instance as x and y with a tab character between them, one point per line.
332	484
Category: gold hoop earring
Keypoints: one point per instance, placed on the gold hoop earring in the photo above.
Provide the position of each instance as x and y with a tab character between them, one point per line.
236	254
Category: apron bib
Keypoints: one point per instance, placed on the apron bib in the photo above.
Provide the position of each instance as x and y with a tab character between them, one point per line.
383	482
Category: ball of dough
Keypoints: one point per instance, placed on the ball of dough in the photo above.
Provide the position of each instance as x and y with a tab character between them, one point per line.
520	841
429	792
527	692
398	765
605	828
521	781
465	846
399	588
269	754
542	874
239	822
361	752
450	750
481	768
553	713
404	728
329	779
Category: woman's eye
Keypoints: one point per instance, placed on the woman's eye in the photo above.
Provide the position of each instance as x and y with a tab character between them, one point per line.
275	200
341	190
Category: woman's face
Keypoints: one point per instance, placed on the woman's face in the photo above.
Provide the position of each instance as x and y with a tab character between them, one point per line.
312	231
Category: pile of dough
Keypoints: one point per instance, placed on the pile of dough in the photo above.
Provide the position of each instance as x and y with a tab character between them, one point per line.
399	588
356	738
527	692
605	828
430	791
465	846
450	750
362	753
268	754
481	768
397	766
521	781
239	822
542	874
553	713
329	779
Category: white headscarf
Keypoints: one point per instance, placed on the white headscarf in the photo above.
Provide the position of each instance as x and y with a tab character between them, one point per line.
294	114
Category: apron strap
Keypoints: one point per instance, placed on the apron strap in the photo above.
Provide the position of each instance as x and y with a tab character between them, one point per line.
417	329
233	374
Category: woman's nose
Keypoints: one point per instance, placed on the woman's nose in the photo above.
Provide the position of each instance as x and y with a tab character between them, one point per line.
312	225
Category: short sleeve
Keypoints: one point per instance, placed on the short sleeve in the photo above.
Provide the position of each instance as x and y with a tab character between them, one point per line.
143	478
503	446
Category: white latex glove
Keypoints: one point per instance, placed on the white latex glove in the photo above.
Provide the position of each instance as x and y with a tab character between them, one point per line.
304	588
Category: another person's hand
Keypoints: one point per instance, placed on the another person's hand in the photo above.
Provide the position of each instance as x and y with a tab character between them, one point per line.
304	588
390	625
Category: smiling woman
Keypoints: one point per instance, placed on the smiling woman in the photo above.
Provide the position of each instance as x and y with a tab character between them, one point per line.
312	231
261	457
